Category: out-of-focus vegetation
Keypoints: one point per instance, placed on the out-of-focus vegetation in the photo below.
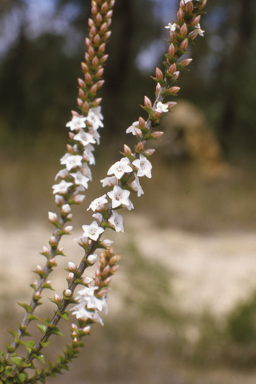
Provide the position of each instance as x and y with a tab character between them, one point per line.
41	50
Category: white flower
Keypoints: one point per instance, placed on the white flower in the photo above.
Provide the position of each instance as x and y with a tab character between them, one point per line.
98	204
62	187
88	156
109	181
85	170
95	134
119	197
120	168
84	138
200	31
76	123
94	117
92	259
160	107
143	165
66	208
92	231
171	26
98	216
63	173
80	179
133	129
72	161
136	187
117	221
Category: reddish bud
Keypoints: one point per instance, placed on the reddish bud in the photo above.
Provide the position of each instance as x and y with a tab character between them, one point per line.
192	35
88	42
103	27
147	102
182	4
98	101
171	50
74	113
172	69
149	152
114	260
180	15
195	21
109	14
94	10
184	44
95	61
171	104
90	23
189	7
184	30
159	73
103	58
87	57
185	62
114	269
94	88
108	280
172	35
71	135
176	75
100	83
91	51
86	106
157	134
81	83
87	77
140	147
102	48
98	19
81	93
107	35
202	5
56	298
127	150
70	149
100	72
79	102
111	3
84	67
106	270
142	122
93	31
174	90
158	87
96	39
104	7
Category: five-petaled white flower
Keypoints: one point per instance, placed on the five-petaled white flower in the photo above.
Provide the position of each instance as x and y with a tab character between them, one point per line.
94	117
71	161
62	187
98	204
84	138
143	165
134	129
160	107
200	31
109	181
120	168
92	231
80	179
171	26
77	123
117	221
119	197
136	187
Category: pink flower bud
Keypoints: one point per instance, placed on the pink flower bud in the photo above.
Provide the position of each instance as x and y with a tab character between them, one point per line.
171	50
86	106
172	69
68	229
140	147
106	270
92	33
59	200
68	292
94	10
158	87
87	280
147	102
45	249
159	73
87	77
180	15
39	269
52	261
96	39
71	266
91	52
71	135
103	27
56	298
114	269
202	5
73	326
195	21
95	61
184	44
171	104
184	30
90	22
86	330
70	276
192	35
142	122
182	4
52	241
104	7
189	7
108	280
88	42
81	93
97	101
84	67
81	83
185	62
98	19
99	73
100	83
174	90
66	208
173	35
149	152
74	113
102	48
107	243
111	3
114	260
79	102
127	150
157	134
92	259
176	74
107	35
103	58
109	14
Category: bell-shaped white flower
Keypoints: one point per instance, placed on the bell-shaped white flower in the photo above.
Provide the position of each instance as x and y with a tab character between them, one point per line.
120	168
143	165
92	231
109	181
98	204
119	197
136	187
117	221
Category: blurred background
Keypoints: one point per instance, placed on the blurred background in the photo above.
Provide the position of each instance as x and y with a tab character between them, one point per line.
184	307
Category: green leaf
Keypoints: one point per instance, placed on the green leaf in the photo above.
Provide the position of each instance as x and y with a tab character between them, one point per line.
65	316
15	334
47	286
56	331
33	317
42	328
30	344
44	345
16	360
47	321
25	306
40	357
22	376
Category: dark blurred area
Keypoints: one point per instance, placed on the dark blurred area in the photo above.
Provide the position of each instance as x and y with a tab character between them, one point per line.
41	47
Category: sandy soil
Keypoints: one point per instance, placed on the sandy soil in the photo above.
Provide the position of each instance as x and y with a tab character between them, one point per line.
211	271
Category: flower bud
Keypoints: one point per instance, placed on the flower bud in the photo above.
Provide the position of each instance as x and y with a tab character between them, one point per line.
159	73
100	83
95	61
104	7
182	4
86	330
103	27
192	35
87	280
68	229
68	292
94	10
92	33
147	102
71	266
99	73
91	52
149	152
127	150
96	39
114	260
107	281
140	147
195	21
114	269
73	326
109	14
172	69
39	269
173	35
79	102
189	7
103	58
66	208
184	44
142	122
86	106
174	90
52	241
70	276
78	199
45	249
90	22
81	83
92	259
171	104
158	87
52	261
57	298
180	15
81	93
157	134
107	243
59	200
176	74
94	88
184	30
202	5
171	50
107	35
106	270
112	3
97	101
102	48
84	67
98	19
185	62
71	135
88	78
52	217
